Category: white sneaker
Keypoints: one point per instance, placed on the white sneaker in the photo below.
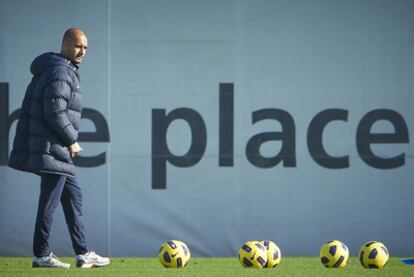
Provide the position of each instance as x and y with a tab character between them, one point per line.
91	259
49	261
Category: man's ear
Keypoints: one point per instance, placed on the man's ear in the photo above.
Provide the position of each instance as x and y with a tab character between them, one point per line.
65	45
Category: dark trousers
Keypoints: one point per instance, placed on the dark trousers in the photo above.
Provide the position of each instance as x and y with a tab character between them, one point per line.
66	190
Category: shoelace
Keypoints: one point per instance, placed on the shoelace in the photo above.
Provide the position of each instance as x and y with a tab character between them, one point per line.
92	255
54	258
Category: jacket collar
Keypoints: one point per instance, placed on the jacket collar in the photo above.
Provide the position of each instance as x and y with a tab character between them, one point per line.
70	63
73	65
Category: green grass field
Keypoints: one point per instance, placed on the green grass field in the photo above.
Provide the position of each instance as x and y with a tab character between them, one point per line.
204	267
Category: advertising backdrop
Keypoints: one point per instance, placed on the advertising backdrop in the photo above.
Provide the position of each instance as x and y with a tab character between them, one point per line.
216	122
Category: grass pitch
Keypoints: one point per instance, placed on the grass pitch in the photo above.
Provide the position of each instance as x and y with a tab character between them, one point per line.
121	267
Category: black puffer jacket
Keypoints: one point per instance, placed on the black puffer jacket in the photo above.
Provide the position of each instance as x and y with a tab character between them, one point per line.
49	121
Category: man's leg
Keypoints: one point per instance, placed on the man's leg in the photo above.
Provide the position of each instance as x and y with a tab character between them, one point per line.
72	206
71	200
51	187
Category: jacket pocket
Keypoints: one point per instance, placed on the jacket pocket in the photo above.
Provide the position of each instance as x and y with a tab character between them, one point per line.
60	152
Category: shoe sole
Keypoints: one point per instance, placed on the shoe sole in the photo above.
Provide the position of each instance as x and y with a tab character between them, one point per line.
36	265
92	265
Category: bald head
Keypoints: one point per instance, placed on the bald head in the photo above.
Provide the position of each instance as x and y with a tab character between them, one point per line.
74	45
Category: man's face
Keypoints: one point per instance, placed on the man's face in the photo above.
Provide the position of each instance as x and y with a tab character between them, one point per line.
75	49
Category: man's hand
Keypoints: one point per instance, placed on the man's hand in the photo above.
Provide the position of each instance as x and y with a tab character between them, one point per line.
75	149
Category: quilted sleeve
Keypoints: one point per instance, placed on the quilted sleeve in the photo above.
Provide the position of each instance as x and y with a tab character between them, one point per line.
55	101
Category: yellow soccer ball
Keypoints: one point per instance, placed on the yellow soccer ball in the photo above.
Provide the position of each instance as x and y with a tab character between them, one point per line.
334	254
174	254
253	254
274	255
373	254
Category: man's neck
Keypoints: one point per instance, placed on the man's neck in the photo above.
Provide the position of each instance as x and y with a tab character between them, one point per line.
71	63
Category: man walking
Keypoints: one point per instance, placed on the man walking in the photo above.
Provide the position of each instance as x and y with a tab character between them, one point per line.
45	143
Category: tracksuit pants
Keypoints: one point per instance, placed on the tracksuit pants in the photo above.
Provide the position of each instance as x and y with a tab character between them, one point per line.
66	190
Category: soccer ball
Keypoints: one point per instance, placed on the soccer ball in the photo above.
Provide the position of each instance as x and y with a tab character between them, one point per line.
334	254
373	254
253	254
274	255
174	253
